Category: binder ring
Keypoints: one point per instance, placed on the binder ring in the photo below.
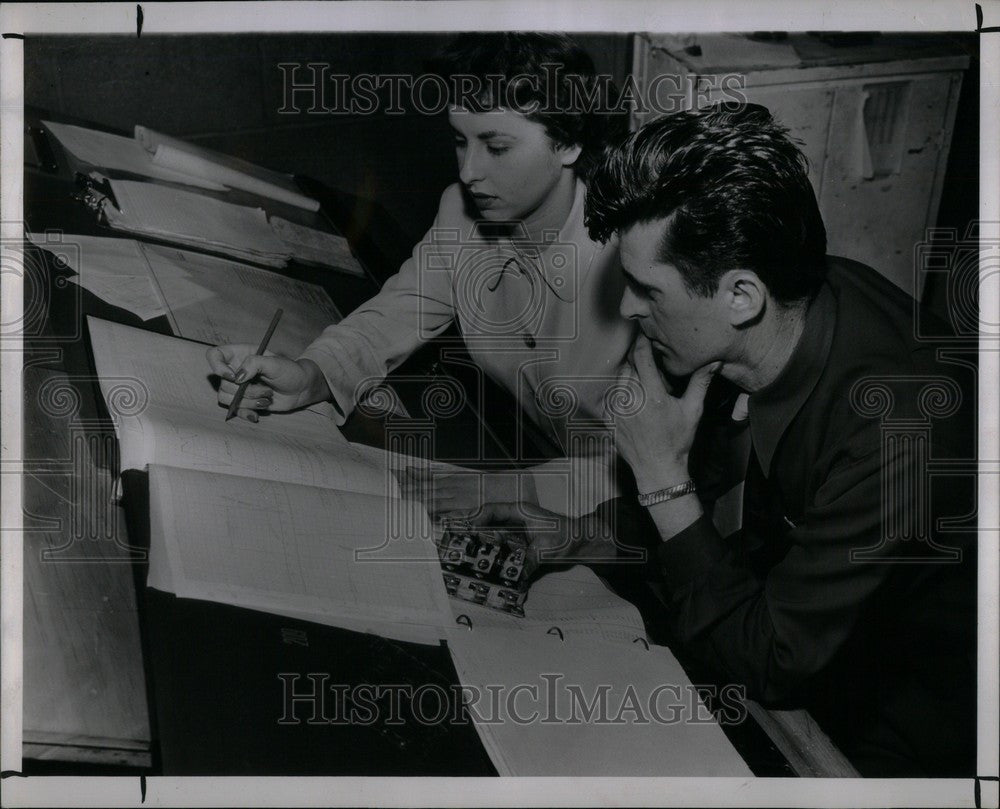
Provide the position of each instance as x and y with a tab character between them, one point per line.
466	622
556	631
643	641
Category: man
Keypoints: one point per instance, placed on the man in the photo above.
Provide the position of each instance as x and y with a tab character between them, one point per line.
839	593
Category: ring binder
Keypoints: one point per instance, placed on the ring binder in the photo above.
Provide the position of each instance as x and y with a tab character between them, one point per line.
94	191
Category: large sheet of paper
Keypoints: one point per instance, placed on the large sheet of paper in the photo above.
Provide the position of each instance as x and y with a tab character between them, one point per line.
239	300
108	151
587	709
115	270
207	298
294	550
159	391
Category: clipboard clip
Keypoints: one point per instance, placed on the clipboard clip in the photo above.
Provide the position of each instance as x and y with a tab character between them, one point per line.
95	191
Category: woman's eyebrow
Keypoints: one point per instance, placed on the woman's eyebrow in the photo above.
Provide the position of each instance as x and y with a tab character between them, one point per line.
488	135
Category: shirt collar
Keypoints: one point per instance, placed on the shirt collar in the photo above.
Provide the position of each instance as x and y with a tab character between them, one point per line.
773	408
568	261
565	264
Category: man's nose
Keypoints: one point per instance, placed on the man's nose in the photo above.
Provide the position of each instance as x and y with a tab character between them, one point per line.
630	306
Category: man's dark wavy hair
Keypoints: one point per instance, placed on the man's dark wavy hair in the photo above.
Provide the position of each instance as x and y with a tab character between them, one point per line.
735	191
574	104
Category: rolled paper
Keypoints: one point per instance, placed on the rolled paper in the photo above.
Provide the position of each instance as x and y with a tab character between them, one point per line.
186	158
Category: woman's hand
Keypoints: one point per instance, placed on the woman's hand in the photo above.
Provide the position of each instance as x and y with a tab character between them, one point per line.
445	492
281	384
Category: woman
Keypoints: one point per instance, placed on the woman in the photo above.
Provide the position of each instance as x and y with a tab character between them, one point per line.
508	258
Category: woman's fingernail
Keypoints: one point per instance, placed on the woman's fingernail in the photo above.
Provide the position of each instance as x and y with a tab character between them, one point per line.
253	417
240	374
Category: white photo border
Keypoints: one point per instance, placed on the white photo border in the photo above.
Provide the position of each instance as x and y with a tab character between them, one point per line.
566	15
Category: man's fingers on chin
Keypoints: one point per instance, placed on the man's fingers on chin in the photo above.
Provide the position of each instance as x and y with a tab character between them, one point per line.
645	366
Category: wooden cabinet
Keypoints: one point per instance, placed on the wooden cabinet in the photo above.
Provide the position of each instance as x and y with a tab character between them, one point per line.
874	119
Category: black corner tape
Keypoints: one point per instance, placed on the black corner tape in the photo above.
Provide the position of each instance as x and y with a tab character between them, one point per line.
979	23
978	790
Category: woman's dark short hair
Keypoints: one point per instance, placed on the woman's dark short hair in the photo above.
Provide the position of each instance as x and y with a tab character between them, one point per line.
735	189
548	77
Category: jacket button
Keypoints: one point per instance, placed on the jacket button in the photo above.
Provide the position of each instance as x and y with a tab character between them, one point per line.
529	341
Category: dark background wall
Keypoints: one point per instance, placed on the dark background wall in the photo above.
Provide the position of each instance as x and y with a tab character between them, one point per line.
225	91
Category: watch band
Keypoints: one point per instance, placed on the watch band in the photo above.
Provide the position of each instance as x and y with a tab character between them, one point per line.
671	493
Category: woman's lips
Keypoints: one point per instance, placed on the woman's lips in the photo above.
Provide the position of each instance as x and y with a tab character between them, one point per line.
485	200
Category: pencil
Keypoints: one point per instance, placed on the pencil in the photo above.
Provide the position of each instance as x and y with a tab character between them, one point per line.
234	405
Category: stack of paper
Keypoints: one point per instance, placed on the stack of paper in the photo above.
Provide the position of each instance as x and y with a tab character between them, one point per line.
194	220
556	708
292	550
316	247
107	151
152	154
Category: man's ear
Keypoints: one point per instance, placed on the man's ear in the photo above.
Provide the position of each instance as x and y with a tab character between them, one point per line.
745	296
570	154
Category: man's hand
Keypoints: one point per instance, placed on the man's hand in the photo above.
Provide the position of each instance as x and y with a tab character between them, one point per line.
552	538
547	533
442	493
280	384
656	439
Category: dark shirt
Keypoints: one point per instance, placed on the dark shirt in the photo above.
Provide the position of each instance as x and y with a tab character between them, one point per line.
843	593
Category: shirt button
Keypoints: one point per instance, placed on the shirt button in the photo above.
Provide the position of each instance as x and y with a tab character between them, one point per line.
529	341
